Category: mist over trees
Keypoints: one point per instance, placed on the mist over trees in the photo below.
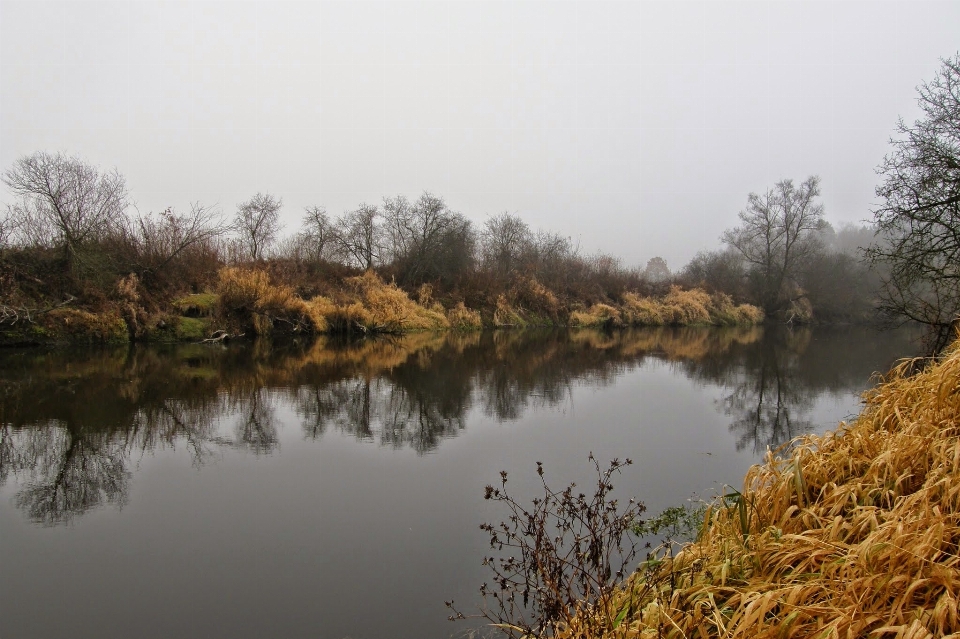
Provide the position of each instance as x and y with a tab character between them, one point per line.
791	263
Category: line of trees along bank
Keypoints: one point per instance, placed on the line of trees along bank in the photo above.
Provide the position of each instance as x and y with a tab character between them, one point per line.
70	234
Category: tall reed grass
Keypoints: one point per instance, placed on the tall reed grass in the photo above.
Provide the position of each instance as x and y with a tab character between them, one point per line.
853	533
679	307
249	297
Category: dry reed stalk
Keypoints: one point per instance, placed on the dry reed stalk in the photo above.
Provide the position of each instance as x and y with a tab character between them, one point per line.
853	533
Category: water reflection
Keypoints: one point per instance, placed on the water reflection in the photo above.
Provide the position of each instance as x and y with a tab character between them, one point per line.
771	386
71	422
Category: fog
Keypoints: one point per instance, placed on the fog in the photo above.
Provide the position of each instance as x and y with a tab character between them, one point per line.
637	128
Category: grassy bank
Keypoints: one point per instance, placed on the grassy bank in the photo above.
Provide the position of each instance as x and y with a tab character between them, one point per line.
850	534
252	302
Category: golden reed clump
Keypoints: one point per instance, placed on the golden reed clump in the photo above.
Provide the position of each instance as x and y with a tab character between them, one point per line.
853	533
367	304
679	307
250	296
385	307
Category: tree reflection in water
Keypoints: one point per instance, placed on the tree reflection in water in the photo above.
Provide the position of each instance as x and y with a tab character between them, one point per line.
768	403
771	386
71	422
70	474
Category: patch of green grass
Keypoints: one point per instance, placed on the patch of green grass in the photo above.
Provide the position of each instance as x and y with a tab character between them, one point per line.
179	329
198	304
191	328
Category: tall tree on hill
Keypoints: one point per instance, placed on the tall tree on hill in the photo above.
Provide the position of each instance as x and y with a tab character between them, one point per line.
318	235
359	234
504	241
779	232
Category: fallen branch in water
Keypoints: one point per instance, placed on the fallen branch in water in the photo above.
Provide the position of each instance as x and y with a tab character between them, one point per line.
219	337
10	315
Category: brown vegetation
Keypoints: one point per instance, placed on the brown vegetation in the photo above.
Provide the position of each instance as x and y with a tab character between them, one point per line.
678	307
850	534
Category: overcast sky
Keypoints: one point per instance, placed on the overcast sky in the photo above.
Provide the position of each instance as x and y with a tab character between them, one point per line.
637	128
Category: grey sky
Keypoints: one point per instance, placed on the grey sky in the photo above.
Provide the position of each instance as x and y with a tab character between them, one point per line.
637	128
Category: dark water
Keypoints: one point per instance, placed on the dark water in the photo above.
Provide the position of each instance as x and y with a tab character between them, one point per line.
334	490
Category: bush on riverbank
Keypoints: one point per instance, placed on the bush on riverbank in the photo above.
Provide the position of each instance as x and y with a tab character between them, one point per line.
679	307
249	300
374	306
852	533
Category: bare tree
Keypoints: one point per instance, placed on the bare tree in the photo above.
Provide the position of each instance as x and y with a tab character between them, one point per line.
318	235
65	202
397	227
504	240
258	222
427	241
779	230
162	238
359	236
8	228
919	221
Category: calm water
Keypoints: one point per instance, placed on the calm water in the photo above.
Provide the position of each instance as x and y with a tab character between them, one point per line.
333	490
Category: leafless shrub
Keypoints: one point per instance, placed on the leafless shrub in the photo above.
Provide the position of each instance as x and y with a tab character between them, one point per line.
558	558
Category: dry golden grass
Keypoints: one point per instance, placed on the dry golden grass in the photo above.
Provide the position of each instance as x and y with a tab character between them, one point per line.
367	304
76	325
250	296
641	311
533	297
692	307
386	308
596	315
462	318
686	308
504	315
852	534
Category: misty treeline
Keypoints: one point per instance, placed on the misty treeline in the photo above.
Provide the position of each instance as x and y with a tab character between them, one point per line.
787	259
72	232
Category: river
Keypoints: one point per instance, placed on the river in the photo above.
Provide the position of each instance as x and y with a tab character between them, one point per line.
333	489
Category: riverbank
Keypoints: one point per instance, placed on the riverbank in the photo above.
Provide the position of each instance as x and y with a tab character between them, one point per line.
249	302
851	534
